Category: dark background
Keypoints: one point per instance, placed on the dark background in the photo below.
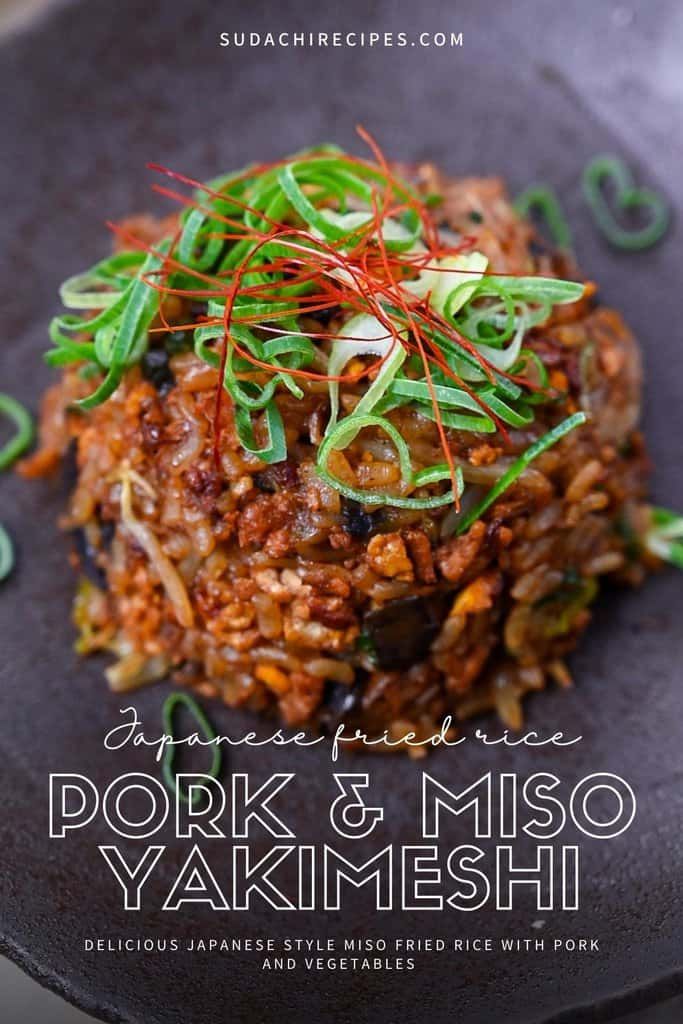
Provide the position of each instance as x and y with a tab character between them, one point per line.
537	89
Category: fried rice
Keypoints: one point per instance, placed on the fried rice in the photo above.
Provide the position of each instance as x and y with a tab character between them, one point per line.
263	586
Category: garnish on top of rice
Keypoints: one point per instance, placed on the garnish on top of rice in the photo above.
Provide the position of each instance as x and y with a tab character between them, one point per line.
351	443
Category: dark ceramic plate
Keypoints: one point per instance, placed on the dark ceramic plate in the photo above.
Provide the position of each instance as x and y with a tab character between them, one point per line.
537	88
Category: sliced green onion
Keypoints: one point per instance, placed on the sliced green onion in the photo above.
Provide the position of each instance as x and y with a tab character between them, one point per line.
275	448
117	344
6	554
75	293
461	361
528	357
362	335
198	224
488	327
504	358
306	210
346	432
170	776
442	277
297	351
447	395
18	444
458	421
387	372
349	222
497	318
286	353
203	336
79	324
444	394
457	278
334	178
518	467
240	391
540	289
664	539
520	417
544	199
66	349
627	197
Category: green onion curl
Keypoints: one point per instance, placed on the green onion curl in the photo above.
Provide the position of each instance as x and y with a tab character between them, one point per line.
627	197
23	436
86	290
119	344
518	467
542	198
346	432
169	775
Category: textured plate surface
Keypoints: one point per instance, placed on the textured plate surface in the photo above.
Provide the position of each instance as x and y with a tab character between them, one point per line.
87	99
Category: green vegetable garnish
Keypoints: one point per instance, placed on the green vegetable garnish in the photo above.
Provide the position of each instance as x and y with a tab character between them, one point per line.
323	234
23	436
6	554
167	711
543	199
627	198
664	539
518	467
347	430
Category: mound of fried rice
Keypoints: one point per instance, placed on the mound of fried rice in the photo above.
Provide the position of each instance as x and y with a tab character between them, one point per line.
262	586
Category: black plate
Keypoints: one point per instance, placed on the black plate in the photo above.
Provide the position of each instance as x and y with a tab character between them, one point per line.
536	89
